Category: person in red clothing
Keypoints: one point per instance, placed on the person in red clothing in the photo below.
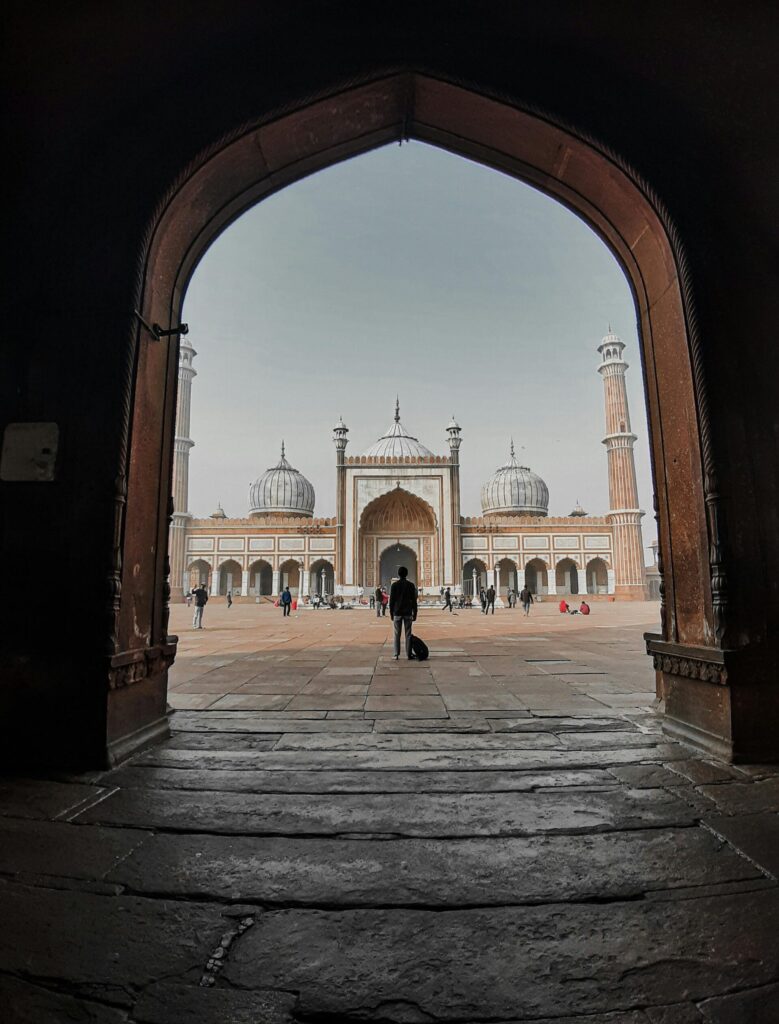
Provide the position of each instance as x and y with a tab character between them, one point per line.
584	608
563	607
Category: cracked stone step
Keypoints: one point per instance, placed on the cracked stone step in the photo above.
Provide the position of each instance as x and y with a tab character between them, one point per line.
43	798
410	814
448	873
253	781
405	760
103	946
421	741
62	848
170	1003
499	962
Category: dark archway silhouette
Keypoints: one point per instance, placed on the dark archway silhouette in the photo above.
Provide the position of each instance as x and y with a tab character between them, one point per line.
581	175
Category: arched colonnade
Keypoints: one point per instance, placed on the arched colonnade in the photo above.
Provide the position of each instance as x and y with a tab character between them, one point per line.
260	578
564	576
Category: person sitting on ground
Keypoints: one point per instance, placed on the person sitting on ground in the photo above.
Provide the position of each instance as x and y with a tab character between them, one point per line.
563	606
403	610
584	608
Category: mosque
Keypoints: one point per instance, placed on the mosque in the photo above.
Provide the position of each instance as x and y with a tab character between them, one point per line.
398	503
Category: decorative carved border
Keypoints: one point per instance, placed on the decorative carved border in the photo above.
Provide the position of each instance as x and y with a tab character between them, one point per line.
132	667
702	663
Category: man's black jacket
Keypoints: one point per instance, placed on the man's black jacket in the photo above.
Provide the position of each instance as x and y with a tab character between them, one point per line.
403	599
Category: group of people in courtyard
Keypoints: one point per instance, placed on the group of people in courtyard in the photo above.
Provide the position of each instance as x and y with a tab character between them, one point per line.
405	599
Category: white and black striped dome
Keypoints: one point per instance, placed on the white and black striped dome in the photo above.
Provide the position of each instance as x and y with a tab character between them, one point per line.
281	490
515	490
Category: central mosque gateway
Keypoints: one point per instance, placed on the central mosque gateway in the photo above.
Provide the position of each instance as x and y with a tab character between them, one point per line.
398	503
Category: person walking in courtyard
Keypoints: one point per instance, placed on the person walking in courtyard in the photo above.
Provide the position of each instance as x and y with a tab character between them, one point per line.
510	597
483	600
229	599
403	610
447	600
377	597
200	595
526	598
384	601
286	601
490	596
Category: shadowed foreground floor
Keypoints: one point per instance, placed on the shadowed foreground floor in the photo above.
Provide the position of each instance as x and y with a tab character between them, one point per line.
499	834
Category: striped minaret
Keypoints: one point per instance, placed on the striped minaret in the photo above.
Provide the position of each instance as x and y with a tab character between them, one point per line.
181	447
624	513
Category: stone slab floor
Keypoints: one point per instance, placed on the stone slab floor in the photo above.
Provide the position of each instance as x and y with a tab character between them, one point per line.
499	834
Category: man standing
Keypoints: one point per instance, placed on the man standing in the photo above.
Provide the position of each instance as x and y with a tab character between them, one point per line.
229	599
377	598
286	601
527	599
403	610
384	601
490	600
483	599
447	600
200	595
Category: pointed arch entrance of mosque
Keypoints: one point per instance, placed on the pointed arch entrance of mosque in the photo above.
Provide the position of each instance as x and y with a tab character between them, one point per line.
398	521
392	558
697	619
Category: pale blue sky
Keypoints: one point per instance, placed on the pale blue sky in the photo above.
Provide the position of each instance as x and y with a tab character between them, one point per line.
408	271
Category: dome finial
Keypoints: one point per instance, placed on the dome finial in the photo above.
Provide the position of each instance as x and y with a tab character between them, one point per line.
512	447
282	448
397	409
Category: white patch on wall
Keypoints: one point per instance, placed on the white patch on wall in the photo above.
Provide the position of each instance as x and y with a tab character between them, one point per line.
200	544
261	543
474	543
567	543
505	543
597	543
231	543
321	544
535	543
29	452
292	543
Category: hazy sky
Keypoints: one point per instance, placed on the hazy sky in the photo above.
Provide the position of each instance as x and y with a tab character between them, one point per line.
408	271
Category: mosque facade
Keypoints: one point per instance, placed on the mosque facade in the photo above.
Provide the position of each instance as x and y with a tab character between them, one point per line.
398	503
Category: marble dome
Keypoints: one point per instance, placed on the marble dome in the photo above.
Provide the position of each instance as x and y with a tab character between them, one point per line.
398	443
515	490
281	490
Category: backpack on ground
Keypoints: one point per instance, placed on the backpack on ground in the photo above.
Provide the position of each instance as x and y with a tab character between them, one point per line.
419	648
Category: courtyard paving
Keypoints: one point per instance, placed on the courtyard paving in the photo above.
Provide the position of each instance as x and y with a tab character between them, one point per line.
501	833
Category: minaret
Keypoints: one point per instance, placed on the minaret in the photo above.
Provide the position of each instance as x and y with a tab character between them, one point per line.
453	431
624	513
340	430
181	447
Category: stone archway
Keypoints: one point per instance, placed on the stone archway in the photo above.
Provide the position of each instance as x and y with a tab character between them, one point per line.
397	517
474	577
567	577
573	169
322	578
261	578
537	576
597	575
390	561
